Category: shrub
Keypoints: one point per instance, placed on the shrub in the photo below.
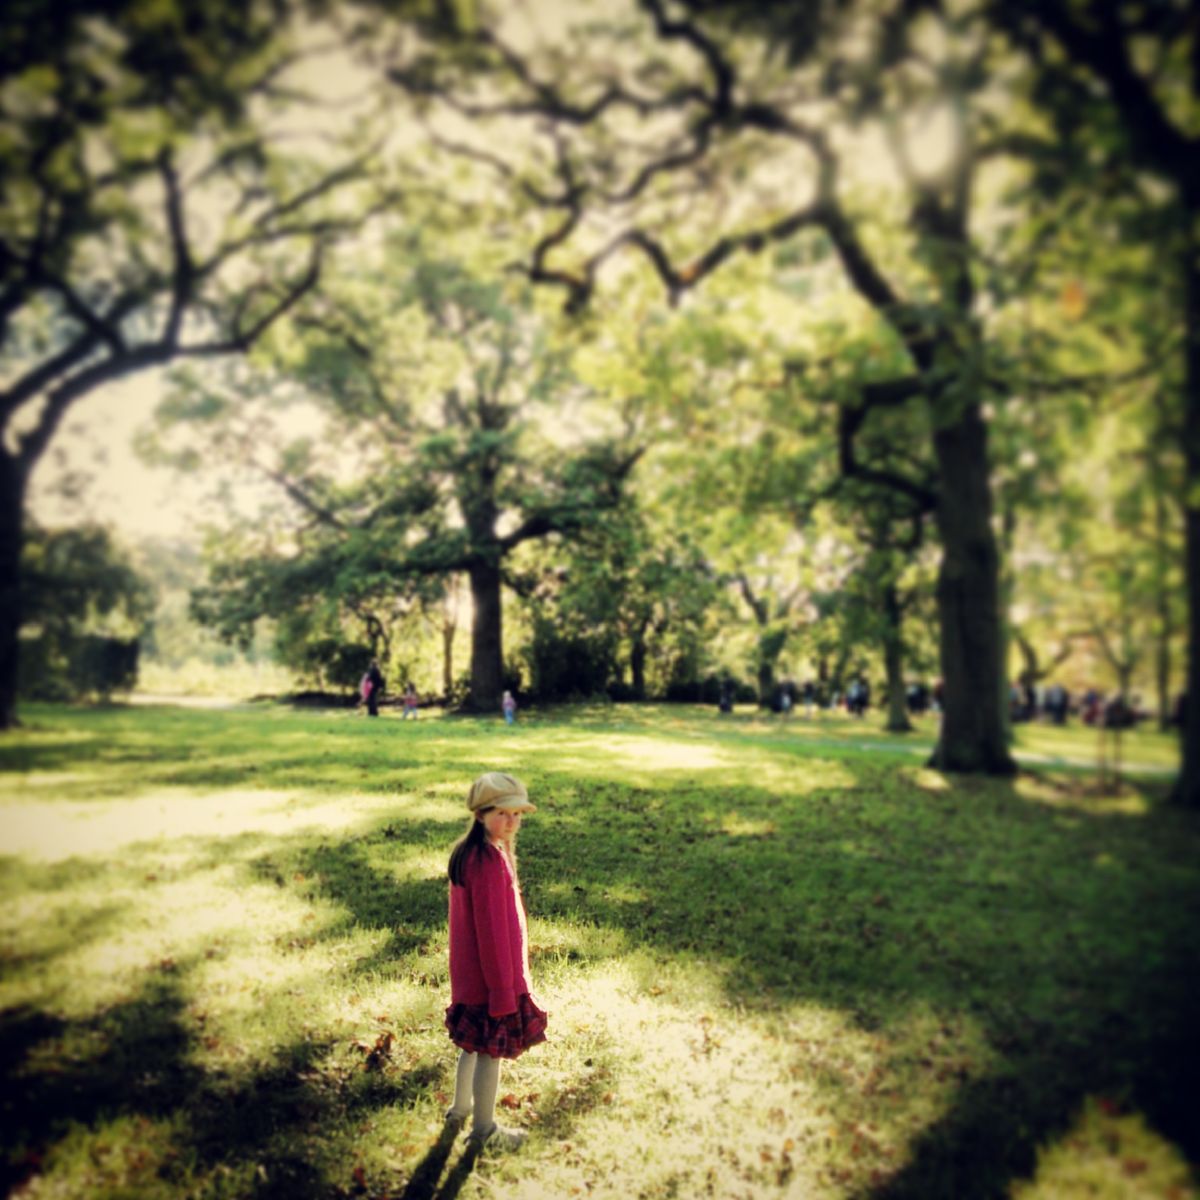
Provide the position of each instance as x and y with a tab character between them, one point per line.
568	666
708	691
101	666
334	663
63	668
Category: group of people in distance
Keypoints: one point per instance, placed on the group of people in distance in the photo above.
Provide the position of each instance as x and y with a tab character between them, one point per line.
1053	703
372	684
1027	702
856	699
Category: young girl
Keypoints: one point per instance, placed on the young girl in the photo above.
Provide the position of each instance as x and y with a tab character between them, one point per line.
509	706
491	1015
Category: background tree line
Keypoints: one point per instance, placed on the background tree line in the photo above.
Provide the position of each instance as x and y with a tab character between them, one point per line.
919	271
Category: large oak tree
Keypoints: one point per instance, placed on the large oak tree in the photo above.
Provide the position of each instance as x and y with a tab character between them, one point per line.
147	213
439	448
690	134
1123	81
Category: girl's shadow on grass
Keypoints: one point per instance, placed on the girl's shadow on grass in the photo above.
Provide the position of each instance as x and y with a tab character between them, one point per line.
423	1184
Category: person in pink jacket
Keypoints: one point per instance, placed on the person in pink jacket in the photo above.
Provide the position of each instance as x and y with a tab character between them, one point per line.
491	1014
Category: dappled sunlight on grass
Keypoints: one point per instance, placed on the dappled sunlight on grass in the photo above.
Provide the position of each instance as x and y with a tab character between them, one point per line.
1079	742
656	1089
76	782
1144	749
593	753
454	791
169	925
1108	1154
926	779
1084	797
799	778
50	832
129	1155
737	826
776	966
421	864
653	1083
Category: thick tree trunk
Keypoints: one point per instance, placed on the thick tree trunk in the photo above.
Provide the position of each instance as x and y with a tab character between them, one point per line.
837	675
972	737
1162	662
1008	525
486	638
11	506
1187	787
893	662
1162	602
448	631
450	610
1162	670
766	683
637	666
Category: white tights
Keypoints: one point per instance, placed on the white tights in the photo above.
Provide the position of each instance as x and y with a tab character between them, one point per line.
476	1083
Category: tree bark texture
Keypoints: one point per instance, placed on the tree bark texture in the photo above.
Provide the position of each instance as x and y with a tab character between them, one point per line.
486	647
1162	634
11	508
448	631
1187	787
637	666
1008	527
766	683
893	661
968	596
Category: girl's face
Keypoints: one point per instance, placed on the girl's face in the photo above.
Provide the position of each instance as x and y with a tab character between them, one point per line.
501	826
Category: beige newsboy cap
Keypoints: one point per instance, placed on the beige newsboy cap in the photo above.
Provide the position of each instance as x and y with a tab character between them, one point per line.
495	789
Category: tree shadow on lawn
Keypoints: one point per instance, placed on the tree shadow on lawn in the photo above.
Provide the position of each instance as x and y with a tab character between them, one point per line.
72	931
138	1066
411	910
995	1126
142	1066
1064	933
276	1114
207	751
128	775
1060	929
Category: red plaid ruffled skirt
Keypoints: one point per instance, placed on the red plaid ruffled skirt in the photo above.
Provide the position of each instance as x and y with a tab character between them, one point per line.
473	1030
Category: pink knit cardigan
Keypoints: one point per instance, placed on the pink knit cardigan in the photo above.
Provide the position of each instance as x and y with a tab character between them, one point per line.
489	954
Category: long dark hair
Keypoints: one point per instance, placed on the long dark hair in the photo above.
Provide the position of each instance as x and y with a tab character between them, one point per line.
470	843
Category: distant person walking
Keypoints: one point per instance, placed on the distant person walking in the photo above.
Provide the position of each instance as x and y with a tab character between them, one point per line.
371	687
509	707
410	702
491	1014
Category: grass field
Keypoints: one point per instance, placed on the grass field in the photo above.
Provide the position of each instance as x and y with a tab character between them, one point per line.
780	961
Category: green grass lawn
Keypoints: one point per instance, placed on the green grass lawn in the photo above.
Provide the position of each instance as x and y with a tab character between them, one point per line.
781	960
